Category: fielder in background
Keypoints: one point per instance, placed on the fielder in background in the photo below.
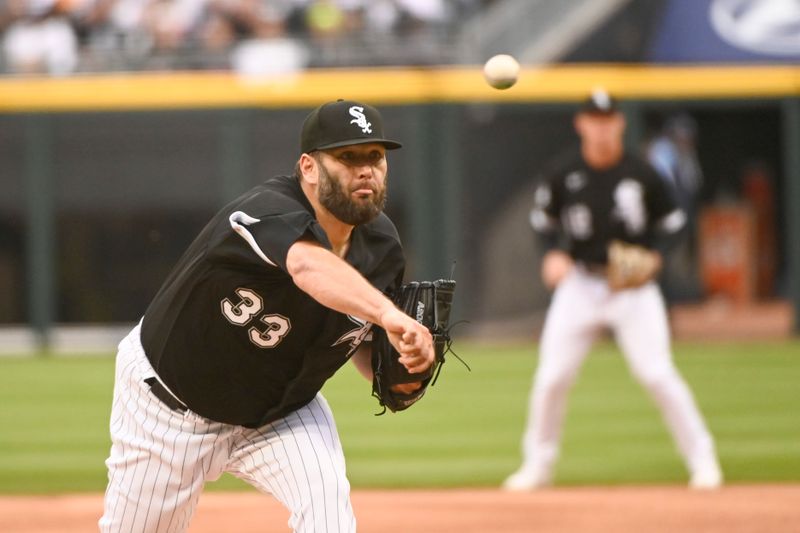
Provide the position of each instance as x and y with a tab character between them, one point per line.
602	212
278	291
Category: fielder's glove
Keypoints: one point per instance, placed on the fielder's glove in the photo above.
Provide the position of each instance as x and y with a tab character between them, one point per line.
630	265
429	302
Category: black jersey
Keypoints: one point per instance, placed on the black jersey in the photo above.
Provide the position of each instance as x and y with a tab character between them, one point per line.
232	335
628	201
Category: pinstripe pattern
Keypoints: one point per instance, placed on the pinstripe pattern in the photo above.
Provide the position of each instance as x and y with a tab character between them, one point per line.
160	459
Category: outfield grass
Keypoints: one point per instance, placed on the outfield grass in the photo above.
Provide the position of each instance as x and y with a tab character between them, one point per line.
466	432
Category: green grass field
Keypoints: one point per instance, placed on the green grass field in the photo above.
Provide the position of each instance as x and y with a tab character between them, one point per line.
466	432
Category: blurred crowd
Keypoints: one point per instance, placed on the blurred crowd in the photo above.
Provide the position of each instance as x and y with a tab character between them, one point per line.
59	37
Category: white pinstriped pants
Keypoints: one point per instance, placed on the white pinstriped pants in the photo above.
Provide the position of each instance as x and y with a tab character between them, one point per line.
160	459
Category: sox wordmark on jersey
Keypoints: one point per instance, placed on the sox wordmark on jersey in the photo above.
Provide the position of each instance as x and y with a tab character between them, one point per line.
277	292
588	200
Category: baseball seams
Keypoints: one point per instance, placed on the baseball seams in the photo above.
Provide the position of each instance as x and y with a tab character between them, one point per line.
160	459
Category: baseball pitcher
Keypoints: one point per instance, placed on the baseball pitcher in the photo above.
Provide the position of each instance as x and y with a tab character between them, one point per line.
283	286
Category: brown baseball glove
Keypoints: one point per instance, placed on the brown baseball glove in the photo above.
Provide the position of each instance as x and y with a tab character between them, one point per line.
630	265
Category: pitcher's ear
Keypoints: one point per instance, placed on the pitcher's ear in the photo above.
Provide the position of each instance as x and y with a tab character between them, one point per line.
308	168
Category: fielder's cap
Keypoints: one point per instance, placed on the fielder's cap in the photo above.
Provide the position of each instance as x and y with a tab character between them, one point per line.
599	102
343	123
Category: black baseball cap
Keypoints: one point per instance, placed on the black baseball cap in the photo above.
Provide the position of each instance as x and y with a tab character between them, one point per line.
343	123
599	102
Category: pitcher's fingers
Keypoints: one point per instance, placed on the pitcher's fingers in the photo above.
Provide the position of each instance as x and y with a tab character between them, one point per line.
416	366
410	337
415	363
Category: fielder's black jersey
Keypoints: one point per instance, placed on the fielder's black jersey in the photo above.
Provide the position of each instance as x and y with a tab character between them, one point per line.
589	207
232	335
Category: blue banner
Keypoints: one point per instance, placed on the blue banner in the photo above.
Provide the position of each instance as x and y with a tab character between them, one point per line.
727	31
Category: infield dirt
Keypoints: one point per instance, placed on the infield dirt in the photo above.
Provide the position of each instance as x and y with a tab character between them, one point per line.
733	509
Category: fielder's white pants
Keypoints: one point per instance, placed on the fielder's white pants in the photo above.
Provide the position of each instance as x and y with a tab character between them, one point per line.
160	459
581	308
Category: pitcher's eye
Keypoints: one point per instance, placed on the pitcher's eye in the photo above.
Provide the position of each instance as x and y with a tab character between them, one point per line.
374	157
348	158
351	158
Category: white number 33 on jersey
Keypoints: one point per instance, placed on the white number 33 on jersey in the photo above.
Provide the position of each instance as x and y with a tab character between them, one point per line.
249	305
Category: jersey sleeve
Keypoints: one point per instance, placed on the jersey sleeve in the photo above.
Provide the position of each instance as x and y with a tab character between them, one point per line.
260	229
544	214
270	237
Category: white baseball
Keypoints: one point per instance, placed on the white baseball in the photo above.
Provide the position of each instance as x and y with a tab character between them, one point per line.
501	71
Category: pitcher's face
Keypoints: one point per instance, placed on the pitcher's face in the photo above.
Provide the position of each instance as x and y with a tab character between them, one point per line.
352	182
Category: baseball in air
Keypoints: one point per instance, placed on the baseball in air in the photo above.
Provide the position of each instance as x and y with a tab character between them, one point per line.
501	71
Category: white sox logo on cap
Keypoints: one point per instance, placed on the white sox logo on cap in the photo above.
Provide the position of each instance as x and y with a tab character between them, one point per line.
361	119
343	123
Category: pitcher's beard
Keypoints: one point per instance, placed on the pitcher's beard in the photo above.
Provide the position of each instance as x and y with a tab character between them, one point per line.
336	200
